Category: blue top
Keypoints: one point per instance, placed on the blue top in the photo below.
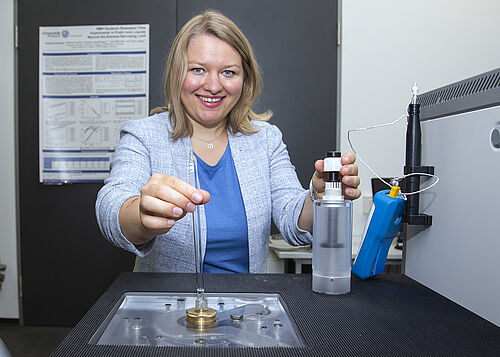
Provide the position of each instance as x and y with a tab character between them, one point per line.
227	233
268	184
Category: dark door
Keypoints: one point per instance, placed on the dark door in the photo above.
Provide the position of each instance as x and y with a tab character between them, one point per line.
65	263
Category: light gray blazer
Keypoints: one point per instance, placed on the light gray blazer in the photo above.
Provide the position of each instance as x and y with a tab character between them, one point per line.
268	182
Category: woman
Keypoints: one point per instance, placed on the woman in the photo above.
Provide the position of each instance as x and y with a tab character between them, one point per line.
211	82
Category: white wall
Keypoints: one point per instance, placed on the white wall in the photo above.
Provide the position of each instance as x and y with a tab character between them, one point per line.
387	45
9	305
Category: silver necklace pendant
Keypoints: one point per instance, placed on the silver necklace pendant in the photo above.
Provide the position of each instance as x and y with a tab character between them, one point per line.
210	146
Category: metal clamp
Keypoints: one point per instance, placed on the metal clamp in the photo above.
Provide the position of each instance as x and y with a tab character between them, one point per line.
3	267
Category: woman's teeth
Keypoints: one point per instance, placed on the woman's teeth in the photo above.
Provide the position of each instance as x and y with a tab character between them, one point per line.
210	100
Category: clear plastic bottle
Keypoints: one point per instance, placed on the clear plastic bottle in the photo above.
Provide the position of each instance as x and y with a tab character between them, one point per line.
332	236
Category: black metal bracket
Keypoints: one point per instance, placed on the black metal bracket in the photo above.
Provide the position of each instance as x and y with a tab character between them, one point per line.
419	169
419	219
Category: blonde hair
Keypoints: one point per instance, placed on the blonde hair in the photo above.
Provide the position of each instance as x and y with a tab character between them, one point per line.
211	23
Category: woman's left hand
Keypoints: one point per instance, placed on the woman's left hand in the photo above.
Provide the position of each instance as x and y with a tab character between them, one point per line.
349	173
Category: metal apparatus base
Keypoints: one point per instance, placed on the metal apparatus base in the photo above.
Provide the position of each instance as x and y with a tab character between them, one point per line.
161	319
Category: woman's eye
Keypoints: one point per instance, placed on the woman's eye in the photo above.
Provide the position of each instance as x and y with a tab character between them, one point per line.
228	73
197	70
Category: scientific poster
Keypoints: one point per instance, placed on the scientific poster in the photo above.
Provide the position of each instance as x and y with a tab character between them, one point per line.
92	80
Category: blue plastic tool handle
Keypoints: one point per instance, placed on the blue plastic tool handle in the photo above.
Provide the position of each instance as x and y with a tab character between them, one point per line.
384	226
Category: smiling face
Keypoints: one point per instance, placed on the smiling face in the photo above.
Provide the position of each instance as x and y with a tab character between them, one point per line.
213	82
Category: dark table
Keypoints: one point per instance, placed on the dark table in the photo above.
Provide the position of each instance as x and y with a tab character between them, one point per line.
389	315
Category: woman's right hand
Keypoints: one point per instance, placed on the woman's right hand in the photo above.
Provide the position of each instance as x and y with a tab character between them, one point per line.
164	200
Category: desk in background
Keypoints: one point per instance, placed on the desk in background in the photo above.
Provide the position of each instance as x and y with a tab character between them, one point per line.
303	255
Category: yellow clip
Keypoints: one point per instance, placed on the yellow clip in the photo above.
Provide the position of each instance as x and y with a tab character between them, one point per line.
394	191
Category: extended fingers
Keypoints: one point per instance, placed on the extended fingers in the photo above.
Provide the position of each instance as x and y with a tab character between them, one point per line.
351	193
165	199
349	170
196	196
159	207
351	181
157	223
348	158
175	190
